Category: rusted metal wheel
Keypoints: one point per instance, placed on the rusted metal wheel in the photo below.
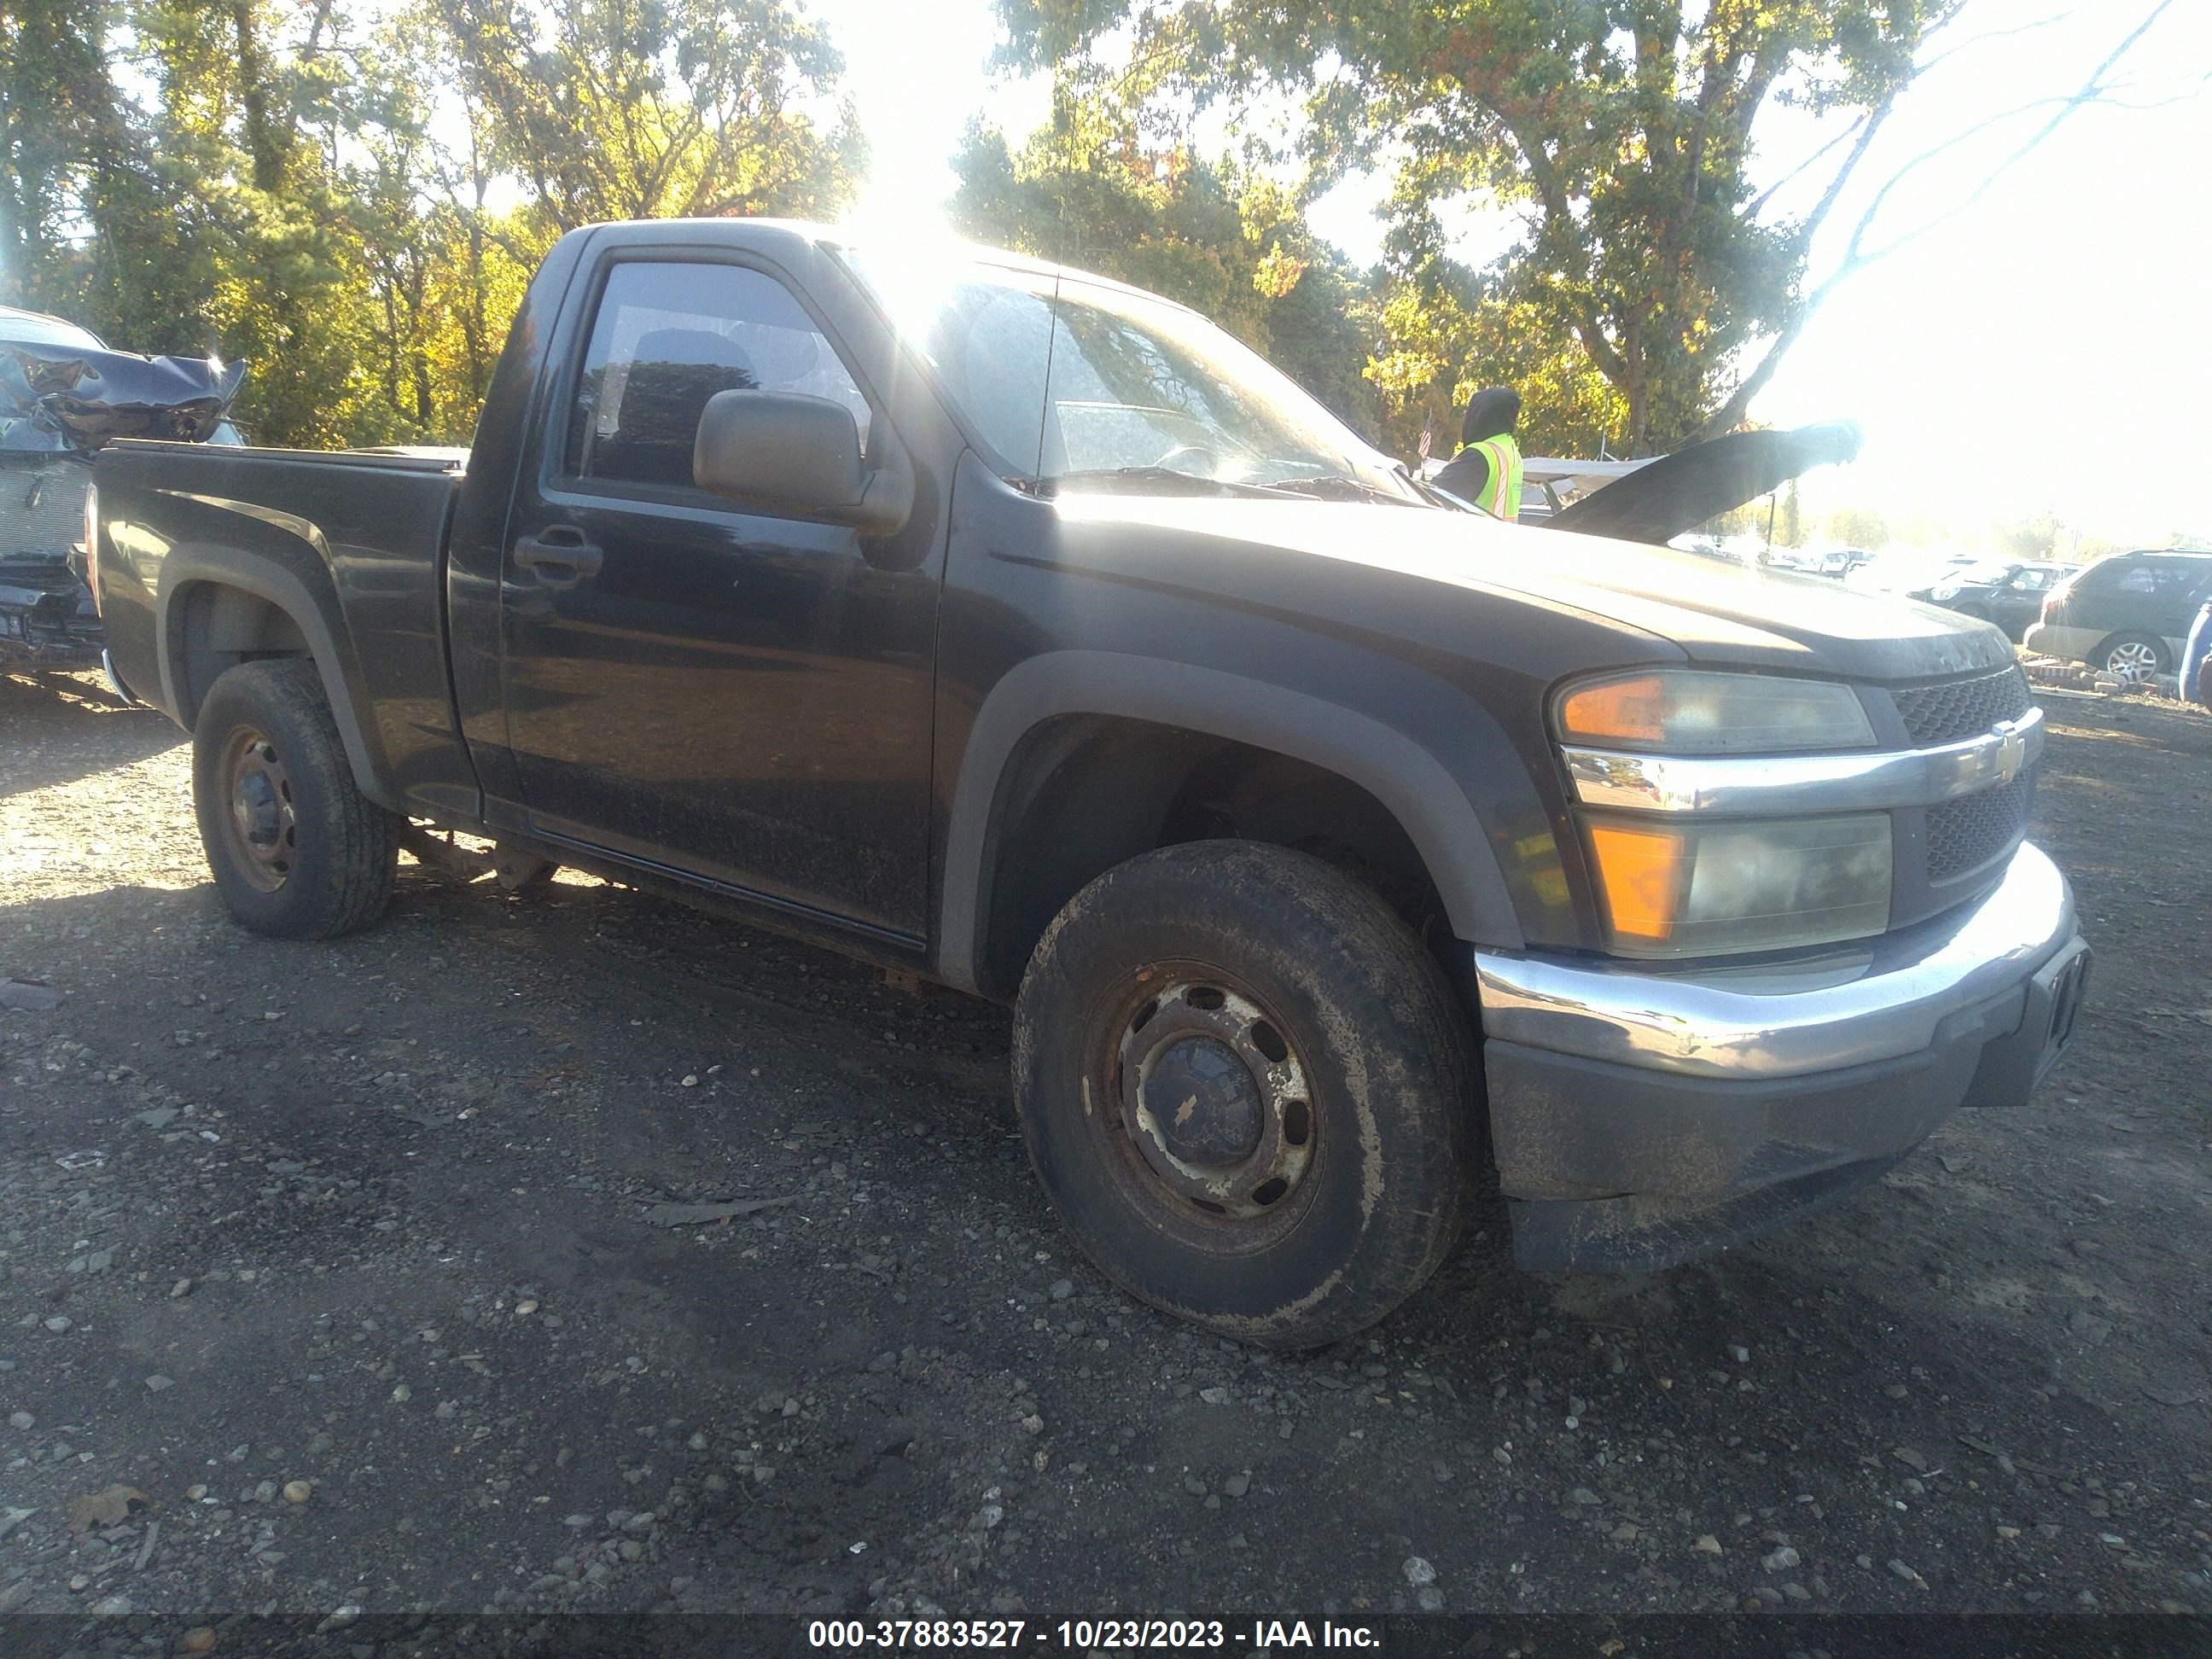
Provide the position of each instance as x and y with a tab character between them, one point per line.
1213	1124
262	824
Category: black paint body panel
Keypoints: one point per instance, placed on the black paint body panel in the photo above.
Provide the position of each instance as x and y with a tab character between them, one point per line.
357	539
784	717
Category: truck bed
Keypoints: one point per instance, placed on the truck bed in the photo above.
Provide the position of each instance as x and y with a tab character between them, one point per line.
364	534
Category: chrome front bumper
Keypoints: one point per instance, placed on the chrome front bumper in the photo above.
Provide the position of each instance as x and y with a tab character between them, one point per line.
1640	1117
1883	1000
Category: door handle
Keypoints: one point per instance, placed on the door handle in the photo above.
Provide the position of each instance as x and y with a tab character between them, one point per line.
560	556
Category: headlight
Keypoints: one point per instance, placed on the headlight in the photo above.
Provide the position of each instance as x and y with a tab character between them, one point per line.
1685	712
1947	591
1682	890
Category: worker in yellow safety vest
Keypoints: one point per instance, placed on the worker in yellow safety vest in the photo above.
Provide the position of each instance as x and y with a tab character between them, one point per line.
1486	472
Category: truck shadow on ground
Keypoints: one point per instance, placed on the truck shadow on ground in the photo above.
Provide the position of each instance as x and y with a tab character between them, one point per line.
58	728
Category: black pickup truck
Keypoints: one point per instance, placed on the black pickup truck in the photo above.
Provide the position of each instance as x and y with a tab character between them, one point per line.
1337	850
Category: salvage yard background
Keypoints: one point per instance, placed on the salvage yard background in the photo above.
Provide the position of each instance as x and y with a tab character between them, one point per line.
363	1274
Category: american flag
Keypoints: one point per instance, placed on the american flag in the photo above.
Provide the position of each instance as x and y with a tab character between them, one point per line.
1428	437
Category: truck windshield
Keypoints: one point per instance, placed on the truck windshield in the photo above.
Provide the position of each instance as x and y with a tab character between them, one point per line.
1082	384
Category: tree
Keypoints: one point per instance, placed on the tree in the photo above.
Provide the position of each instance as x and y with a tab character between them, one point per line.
1789	526
62	125
1621	130
1859	527
230	234
280	183
2034	538
614	109
1226	241
1444	331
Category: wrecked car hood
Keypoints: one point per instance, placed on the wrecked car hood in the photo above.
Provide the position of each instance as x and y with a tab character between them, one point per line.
60	398
1661	500
1709	611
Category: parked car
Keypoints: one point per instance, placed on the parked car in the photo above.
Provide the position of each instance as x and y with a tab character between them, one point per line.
2197	659
2129	614
1903	571
63	393
2007	594
1838	563
1013	627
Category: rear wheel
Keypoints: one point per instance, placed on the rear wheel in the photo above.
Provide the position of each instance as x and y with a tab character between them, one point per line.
296	850
2132	656
1248	1090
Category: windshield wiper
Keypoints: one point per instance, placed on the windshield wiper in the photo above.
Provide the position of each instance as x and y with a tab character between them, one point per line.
1428	492
1338	486
1196	483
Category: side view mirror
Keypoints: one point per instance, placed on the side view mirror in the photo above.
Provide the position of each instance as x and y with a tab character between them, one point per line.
800	454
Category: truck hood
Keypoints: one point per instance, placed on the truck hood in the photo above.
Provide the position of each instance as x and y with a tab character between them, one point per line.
1712	612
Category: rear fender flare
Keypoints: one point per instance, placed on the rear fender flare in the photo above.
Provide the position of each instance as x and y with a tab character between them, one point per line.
312	606
1407	779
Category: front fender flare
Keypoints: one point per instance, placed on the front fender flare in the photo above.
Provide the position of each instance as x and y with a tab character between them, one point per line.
1408	779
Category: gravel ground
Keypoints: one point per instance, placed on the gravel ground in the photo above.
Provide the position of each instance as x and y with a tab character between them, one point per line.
372	1274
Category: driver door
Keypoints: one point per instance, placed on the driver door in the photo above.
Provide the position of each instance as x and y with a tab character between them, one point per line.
736	696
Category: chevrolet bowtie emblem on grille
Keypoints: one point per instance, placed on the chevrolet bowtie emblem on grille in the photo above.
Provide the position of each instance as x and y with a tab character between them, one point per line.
2012	749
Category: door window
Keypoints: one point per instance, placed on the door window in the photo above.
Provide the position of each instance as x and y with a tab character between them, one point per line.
2178	577
667	338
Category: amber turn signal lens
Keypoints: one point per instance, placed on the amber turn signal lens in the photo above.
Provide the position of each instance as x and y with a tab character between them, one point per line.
1623	711
1641	876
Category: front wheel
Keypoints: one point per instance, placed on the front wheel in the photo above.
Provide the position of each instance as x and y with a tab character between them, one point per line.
296	850
1248	1091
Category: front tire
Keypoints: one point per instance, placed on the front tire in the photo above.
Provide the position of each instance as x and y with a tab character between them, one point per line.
1248	1090
295	848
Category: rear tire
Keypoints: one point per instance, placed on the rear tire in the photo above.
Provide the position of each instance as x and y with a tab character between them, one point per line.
297	850
1248	1090
2133	656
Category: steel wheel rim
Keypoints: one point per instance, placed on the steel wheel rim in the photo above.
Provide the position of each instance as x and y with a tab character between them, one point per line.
1243	1187
2132	660
260	821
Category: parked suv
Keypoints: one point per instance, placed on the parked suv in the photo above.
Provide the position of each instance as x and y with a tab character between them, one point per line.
2127	615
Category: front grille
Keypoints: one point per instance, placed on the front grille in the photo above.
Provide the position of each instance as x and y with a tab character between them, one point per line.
1965	834
1959	709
